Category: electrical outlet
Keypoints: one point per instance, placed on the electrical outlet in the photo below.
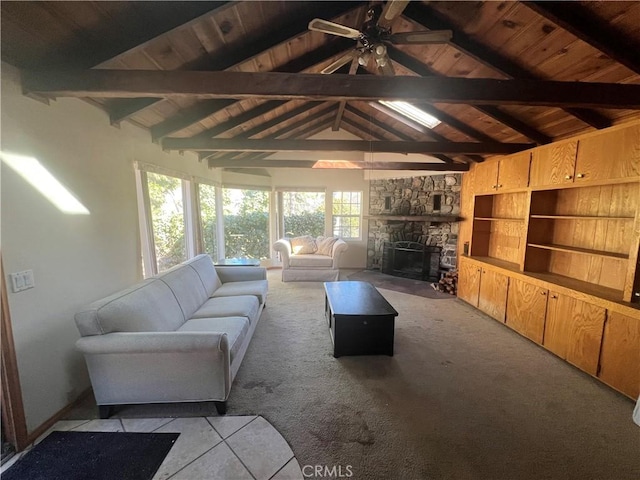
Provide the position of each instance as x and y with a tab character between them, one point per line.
22	280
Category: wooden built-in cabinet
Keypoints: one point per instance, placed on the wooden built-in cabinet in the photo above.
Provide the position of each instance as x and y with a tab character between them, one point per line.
484	289
620	354
610	155
527	309
573	330
556	256
469	281
511	172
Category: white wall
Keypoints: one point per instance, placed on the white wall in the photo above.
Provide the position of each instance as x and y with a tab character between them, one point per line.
75	258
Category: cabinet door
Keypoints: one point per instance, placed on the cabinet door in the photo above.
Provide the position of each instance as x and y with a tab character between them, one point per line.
609	155
513	171
573	330
553	164
527	309
485	177
468	282
620	356
493	294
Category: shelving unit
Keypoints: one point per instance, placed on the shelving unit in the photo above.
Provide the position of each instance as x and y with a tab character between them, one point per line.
557	259
584	233
498	226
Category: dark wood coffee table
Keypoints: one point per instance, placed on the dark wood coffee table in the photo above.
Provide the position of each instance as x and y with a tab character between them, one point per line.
361	321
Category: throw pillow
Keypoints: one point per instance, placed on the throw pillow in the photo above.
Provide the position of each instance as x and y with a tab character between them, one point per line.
303	245
325	246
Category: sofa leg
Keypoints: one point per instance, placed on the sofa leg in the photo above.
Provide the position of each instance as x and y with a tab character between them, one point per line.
105	411
221	407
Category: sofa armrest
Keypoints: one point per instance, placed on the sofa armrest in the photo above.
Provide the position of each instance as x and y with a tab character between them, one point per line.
284	248
241	274
338	248
153	342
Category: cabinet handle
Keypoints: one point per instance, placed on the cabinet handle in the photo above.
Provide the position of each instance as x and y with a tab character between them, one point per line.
543	293
568	177
494	186
580	175
554	296
499	186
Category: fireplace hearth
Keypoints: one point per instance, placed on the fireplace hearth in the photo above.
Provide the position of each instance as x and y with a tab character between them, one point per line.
411	260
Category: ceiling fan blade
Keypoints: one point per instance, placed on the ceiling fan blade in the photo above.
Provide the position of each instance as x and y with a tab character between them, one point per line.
343	60
391	10
319	25
420	38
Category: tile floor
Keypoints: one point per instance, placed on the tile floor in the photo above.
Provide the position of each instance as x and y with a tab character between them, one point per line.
208	448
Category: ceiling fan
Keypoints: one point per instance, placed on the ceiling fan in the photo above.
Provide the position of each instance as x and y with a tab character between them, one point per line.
375	35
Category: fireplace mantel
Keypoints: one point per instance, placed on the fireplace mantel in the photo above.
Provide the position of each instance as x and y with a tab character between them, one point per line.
415	218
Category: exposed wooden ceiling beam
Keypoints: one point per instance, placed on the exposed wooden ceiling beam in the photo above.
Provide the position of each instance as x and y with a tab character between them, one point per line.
189	116
429	17
420	68
316	125
580	22
474	91
262	145
514	123
280	120
353	69
265	163
121	109
374	121
206	108
290	28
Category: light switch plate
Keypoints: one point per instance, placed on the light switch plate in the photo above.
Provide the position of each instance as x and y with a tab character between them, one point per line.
22	280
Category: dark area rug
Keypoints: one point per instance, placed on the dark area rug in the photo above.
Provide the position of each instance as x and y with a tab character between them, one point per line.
94	456
399	284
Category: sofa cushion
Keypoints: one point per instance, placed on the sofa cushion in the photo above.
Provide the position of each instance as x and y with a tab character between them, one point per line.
239	306
187	287
310	261
203	265
149	306
303	245
257	288
236	329
325	245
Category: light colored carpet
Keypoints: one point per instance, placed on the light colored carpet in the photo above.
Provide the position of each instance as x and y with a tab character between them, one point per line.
463	397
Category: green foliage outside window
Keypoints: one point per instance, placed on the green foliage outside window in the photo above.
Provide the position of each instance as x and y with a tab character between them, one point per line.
167	214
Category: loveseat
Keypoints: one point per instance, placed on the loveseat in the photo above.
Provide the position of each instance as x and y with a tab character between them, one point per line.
310	259
177	337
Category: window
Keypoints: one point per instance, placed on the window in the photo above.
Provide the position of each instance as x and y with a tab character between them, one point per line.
246	223
208	219
347	209
166	204
303	213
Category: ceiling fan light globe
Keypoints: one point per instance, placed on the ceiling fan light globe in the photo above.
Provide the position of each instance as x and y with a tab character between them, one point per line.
381	50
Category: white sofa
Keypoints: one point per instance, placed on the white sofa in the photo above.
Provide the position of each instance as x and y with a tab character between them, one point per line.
310	267
176	337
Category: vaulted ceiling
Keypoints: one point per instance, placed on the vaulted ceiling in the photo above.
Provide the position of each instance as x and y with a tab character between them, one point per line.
238	81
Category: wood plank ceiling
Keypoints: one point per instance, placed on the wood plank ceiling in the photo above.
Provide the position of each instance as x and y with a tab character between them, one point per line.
522	49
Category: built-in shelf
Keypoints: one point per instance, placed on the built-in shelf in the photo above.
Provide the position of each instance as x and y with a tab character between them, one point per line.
497	219
579	285
496	262
581	251
580	217
415	218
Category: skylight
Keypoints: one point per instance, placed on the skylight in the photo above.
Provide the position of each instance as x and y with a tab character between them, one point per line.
413	113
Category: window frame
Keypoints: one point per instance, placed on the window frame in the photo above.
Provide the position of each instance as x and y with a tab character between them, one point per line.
359	216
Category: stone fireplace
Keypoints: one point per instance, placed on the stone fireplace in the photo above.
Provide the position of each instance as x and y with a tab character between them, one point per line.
416	209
